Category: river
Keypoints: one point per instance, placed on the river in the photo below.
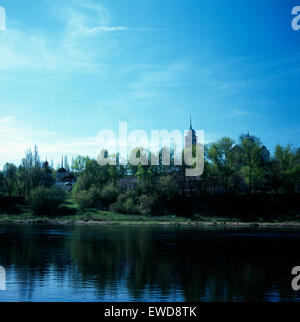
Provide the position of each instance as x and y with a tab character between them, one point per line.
146	263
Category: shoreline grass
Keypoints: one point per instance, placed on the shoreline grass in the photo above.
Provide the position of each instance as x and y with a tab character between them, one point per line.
70	213
91	217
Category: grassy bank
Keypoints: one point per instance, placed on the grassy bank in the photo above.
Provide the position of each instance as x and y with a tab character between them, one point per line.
70	213
110	218
90	216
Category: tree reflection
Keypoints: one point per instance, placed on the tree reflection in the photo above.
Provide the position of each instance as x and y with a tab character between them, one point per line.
152	263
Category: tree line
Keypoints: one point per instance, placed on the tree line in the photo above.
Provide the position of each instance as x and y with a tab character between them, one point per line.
242	168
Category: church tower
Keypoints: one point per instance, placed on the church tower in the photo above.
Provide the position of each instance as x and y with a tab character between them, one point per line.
191	137
61	173
47	175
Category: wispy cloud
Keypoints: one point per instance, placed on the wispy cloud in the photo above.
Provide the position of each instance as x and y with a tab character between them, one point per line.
151	82
240	112
75	48
113	28
6	120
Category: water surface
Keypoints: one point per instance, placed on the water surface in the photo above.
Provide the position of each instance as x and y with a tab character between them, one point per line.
146	263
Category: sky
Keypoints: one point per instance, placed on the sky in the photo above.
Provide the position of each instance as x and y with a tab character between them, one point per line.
71	68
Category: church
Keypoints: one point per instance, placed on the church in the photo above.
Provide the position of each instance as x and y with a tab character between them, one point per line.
64	178
130	182
191	137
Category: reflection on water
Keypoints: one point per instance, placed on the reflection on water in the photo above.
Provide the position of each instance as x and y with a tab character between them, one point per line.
142	263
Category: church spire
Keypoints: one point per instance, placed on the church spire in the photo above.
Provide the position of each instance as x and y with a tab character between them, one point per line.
62	161
191	138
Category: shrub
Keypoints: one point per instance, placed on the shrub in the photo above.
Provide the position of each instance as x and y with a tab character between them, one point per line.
168	187
125	204
47	200
109	195
83	199
117	207
129	206
89	198
146	204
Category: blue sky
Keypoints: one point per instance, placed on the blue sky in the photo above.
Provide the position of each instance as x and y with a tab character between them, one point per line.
71	68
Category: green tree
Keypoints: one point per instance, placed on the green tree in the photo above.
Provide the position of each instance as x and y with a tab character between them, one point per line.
91	182
89	198
79	164
29	173
2	183
220	154
117	171
284	157
47	200
251	150
285	168
109	195
10	178
168	187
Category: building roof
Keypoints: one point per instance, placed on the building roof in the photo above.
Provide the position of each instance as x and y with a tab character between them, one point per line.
62	169
128	180
46	167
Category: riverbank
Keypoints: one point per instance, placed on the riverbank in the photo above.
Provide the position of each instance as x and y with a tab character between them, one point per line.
110	218
229	211
71	214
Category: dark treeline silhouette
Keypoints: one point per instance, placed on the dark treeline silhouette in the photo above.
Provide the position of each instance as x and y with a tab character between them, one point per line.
241	179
